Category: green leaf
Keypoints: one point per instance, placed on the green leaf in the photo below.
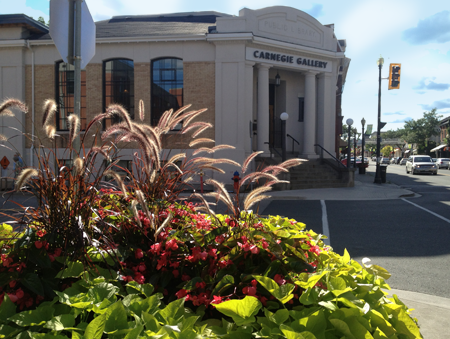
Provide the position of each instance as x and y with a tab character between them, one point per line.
95	328
150	322
172	312
211	236
342	327
312	280
406	325
315	323
279	317
35	317
242	311
33	283
226	282
291	334
135	332
337	286
61	322
103	291
146	289
345	259
377	320
283	293
7	309
190	285
116	318
73	270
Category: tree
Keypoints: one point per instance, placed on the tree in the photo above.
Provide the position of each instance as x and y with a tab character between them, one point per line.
41	20
420	130
386	151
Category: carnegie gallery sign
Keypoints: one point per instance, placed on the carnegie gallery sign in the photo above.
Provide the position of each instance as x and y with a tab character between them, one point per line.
295	61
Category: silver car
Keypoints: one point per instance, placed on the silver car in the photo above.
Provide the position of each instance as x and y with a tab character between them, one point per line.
442	162
421	164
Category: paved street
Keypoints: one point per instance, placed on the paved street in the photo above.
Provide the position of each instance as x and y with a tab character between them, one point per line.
402	235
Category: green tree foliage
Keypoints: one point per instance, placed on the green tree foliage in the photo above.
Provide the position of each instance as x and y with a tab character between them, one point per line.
386	151
41	20
420	130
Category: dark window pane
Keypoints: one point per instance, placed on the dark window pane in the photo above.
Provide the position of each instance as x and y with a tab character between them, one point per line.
166	86
118	86
65	99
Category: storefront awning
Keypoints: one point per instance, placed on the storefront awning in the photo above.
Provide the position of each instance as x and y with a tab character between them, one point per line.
437	148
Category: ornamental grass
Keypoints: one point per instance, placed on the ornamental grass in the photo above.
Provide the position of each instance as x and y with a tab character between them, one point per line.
113	255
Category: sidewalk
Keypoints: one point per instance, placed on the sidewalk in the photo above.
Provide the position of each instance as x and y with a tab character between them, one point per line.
432	312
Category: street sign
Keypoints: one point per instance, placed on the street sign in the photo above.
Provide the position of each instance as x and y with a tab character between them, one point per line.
4	162
61	32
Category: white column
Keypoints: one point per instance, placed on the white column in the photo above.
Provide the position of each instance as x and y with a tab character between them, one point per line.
309	138
248	105
263	107
326	112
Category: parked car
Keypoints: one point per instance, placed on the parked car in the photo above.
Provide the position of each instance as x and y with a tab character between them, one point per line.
403	161
443	162
394	160
421	164
385	161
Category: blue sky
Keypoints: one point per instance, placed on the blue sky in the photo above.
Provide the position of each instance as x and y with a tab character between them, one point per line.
415	33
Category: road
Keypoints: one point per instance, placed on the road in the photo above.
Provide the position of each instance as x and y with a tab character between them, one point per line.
409	237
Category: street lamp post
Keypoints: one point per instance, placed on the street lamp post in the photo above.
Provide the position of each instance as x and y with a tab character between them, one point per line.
363	171
354	151
283	116
377	180
349	123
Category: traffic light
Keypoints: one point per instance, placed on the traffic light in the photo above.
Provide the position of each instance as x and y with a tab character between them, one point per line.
394	76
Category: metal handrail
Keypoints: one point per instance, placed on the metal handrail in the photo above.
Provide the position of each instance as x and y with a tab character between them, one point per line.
273	149
321	155
293	139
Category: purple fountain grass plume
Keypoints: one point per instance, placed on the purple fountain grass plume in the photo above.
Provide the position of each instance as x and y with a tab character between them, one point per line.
201	130
97	118
140	197
194	125
6	104
273	182
275	169
50	131
223	194
180	110
3	138
141	110
164	224
165	117
257	175
154	146
122	112
118	179
174	166
177	157
135	212
248	160
213	168
200	141
212	150
188	119
201	150
255	196
79	166
24	176
74	128
204	202
153	133
49	109
7	113
291	163
120	128
100	150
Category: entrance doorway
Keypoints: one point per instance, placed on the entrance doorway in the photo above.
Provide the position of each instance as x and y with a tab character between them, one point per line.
274	118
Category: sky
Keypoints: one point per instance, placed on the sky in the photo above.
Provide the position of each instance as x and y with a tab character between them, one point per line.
414	33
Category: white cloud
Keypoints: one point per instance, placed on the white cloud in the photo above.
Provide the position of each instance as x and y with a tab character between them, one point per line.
20	7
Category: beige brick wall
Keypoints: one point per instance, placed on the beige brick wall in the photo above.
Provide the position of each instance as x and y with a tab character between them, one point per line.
44	88
199	90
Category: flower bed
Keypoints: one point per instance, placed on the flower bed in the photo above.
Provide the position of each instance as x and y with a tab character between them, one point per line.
135	261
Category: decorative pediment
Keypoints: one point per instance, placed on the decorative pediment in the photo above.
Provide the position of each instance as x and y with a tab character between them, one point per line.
281	23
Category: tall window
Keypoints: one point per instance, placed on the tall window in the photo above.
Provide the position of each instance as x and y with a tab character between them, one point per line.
118	86
65	95
167	86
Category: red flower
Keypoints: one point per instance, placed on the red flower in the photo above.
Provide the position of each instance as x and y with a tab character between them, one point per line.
181	293
175	273
40	234
20	293
13	297
263	300
139	278
217	299
12	283
200	285
279	279
254	283
220	239
254	249
138	254
38	244
185	277
171	245
58	252
250	290
264	243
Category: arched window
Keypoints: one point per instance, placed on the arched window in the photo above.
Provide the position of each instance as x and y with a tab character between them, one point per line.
166	86
118	86
65	95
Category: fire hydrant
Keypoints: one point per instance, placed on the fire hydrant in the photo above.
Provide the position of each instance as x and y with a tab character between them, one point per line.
236	180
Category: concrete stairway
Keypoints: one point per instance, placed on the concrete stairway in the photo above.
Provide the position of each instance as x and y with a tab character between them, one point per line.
314	174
